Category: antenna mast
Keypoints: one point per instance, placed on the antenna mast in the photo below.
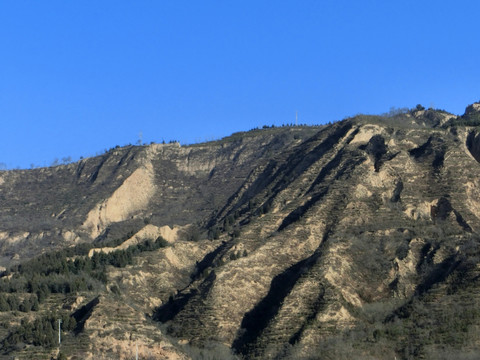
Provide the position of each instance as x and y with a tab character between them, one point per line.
296	118
59	331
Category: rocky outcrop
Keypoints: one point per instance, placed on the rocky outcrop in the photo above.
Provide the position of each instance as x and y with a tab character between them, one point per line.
473	144
472	109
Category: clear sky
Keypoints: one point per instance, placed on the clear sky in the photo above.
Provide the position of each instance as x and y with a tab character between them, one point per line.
78	77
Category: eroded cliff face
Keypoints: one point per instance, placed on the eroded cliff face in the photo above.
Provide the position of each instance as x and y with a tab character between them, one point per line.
359	214
131	198
166	184
361	233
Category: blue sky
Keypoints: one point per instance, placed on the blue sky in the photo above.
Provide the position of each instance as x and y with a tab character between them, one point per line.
78	77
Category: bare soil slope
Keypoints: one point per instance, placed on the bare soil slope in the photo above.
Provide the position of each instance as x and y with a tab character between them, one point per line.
353	240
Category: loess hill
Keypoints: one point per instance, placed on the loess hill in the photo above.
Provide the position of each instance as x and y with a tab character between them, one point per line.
358	239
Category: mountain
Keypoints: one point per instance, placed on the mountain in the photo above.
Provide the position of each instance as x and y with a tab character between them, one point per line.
357	239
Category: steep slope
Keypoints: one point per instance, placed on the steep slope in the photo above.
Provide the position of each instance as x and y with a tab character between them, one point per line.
353	240
362	213
113	194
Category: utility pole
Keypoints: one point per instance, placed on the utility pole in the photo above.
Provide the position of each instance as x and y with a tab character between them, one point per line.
296	118
59	331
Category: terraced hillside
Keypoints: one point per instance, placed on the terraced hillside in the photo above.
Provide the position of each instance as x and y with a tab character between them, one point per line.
352	240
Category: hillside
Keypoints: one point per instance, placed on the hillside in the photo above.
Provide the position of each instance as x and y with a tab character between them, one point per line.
352	240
